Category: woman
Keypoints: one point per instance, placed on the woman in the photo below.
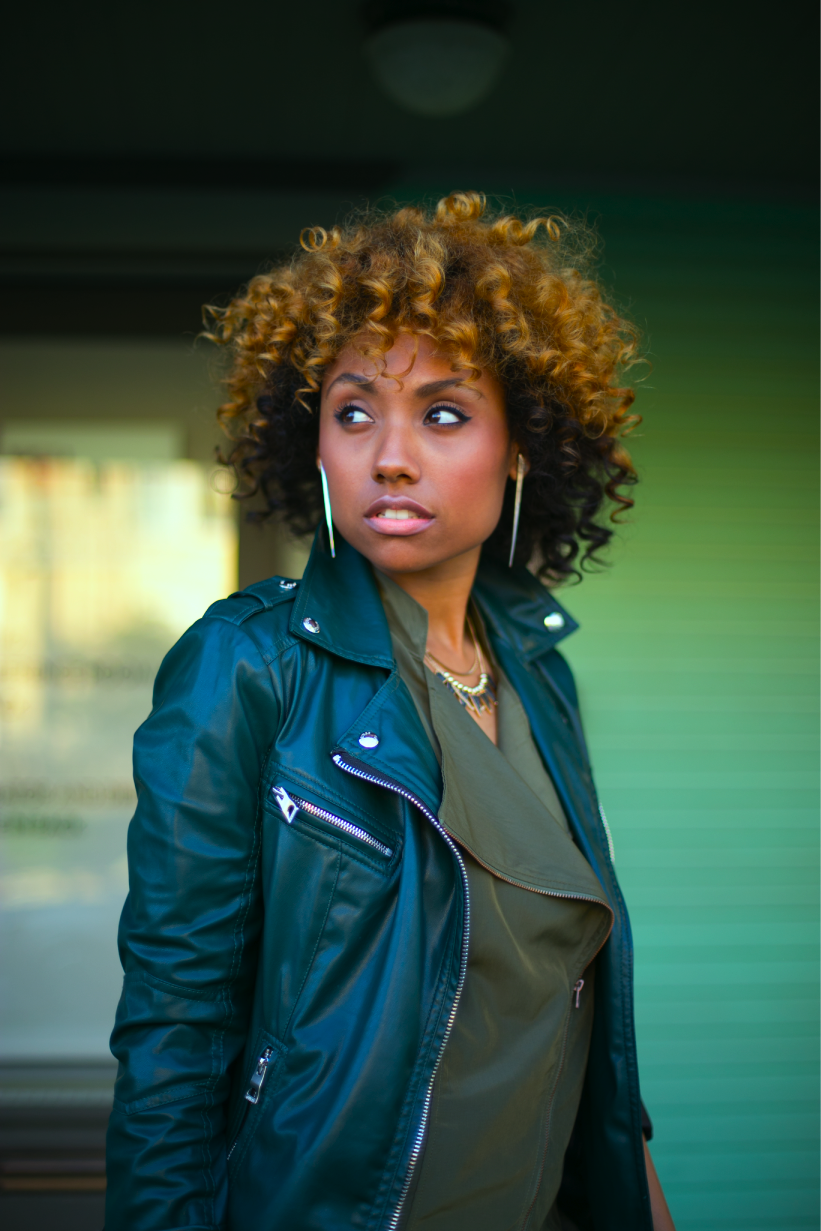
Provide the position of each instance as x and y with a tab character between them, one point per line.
377	965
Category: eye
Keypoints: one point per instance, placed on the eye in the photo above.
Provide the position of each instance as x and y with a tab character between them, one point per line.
445	416
352	414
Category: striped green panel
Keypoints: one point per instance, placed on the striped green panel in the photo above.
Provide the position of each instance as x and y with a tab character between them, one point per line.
697	666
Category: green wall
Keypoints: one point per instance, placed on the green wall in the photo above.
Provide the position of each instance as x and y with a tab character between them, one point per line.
697	668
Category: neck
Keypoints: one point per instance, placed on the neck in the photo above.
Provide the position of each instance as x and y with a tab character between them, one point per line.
444	592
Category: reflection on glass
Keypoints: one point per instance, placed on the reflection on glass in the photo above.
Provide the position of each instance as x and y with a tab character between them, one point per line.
102	566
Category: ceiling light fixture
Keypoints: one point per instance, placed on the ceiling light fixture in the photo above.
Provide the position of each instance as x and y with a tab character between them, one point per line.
437	59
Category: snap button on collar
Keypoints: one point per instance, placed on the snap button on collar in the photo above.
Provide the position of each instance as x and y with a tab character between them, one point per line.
554	621
368	739
310	625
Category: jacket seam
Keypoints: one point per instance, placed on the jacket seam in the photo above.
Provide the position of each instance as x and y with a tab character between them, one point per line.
278	646
173	989
319	936
176	1094
278	643
207	1137
270	648
240	630
218	1040
244	612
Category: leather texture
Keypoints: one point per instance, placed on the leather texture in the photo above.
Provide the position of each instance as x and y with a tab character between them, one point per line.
334	950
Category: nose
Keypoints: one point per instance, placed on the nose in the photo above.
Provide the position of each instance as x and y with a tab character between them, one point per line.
395	459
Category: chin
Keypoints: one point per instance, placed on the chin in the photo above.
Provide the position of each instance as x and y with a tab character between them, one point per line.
408	555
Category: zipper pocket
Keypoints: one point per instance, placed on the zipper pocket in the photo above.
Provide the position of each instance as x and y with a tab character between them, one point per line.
258	1076
291	805
253	1091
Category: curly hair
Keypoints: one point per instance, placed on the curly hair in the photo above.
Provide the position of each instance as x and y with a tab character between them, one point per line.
492	292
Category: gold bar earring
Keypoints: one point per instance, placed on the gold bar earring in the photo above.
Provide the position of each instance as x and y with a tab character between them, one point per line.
326	499
517	506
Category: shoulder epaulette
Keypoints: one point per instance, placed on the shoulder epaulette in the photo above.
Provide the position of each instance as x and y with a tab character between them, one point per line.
261	596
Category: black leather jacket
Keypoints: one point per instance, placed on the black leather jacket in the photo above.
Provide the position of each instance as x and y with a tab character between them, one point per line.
295	937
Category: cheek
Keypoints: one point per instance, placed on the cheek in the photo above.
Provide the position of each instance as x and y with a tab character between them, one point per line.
480	471
334	448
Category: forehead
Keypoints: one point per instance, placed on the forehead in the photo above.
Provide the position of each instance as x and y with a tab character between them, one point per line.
413	359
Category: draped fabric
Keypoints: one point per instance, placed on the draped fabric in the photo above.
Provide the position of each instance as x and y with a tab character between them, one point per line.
508	1088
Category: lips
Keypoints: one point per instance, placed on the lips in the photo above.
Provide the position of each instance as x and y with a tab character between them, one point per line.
398	515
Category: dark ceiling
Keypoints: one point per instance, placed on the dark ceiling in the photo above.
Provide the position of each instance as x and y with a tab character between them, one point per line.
181	143
708	90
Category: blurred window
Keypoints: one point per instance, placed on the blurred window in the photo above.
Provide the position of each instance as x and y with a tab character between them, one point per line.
109	549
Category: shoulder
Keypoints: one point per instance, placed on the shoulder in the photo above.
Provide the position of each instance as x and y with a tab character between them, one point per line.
262	612
256	600
237	637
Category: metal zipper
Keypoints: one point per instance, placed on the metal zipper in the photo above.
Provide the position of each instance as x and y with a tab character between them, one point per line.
290	805
258	1076
366	776
254	1087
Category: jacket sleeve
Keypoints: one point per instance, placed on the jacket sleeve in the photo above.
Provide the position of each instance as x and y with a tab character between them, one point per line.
189	930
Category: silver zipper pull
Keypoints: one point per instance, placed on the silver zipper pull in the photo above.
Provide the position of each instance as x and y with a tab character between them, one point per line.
258	1076
578	990
286	805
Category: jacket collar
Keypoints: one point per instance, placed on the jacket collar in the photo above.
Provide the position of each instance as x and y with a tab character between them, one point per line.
341	597
521	613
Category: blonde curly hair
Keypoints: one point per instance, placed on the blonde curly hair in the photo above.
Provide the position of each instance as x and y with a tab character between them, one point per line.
493	292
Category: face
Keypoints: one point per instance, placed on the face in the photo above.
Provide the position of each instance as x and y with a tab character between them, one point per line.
416	467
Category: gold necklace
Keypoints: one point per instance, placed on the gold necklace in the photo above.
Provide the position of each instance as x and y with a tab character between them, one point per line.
479	699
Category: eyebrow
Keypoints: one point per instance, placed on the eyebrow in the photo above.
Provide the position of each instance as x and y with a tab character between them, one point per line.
436	386
424	391
351	378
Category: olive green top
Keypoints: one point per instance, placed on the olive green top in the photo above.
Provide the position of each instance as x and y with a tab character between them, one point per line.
510	1080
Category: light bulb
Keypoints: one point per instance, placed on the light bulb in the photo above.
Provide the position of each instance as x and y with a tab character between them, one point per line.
437	67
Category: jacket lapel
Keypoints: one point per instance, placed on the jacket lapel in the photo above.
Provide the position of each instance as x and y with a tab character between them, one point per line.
402	753
525	622
520	611
341	597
